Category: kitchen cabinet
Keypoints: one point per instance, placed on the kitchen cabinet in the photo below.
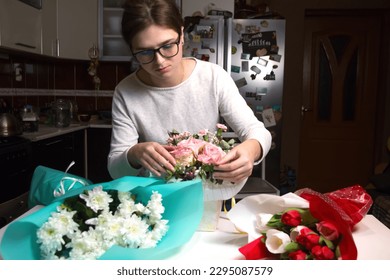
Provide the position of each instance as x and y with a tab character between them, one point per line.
98	144
111	44
58	152
20	26
69	28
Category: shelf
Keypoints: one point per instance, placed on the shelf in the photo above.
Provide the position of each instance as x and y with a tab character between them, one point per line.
111	44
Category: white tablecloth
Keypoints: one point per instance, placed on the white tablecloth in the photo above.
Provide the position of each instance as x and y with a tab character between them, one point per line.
370	235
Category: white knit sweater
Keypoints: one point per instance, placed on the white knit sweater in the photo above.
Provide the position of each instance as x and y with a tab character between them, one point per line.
143	113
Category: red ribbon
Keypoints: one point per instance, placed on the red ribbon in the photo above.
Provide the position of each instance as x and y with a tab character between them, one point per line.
255	250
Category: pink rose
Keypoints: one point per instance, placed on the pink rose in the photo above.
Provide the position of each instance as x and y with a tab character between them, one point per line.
291	218
327	230
308	238
194	144
183	156
210	154
322	253
297	255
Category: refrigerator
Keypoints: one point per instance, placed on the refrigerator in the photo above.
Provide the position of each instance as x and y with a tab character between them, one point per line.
252	51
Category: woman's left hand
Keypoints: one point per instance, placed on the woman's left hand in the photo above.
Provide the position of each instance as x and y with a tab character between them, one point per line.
237	165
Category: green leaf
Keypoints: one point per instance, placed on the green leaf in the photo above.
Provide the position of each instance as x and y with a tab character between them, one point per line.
327	242
291	247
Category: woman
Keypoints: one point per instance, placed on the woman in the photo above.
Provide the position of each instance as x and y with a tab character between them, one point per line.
171	92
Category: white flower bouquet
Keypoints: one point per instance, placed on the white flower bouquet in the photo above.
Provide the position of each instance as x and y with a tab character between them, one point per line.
126	218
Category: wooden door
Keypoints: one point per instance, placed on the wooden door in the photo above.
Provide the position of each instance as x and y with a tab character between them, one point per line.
338	106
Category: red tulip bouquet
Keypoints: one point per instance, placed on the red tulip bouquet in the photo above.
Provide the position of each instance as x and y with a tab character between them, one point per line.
305	225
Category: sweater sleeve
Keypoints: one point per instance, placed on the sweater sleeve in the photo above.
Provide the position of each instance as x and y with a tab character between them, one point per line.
239	116
124	136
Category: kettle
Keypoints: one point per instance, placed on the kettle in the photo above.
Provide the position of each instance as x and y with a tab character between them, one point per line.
9	125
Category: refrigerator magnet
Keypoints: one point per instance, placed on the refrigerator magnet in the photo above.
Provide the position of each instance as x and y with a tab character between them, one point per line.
275	57
262	62
241	82
270	76
245	56
268	117
235	69
245	66
255	69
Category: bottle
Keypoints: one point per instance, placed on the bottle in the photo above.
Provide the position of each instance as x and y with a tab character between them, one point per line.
30	119
61	112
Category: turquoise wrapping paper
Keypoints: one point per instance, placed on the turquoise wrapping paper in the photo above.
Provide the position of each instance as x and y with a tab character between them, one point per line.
46	180
183	202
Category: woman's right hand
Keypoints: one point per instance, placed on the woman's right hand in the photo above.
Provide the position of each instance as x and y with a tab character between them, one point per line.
153	156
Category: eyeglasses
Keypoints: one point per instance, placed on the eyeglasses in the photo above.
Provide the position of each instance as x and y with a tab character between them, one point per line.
167	51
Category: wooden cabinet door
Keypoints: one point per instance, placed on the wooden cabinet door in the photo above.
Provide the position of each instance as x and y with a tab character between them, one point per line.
77	27
20	26
98	144
70	28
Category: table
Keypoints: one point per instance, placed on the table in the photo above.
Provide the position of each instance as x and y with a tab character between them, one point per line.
370	235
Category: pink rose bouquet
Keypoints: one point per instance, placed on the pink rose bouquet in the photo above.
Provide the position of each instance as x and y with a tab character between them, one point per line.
196	154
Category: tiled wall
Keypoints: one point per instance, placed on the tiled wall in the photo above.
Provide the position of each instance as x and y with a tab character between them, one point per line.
68	78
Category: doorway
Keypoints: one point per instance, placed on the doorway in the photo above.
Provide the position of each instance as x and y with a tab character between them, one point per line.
340	88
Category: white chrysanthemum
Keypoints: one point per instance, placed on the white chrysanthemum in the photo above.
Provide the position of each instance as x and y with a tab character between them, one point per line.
160	229
140	208
156	207
126	208
88	245
276	241
63	220
148	241
109	226
50	238
97	199
133	230
124	196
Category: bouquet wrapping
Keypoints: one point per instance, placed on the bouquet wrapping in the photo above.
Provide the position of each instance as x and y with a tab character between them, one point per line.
301	225
183	202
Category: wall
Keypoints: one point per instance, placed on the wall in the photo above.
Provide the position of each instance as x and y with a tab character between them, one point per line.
189	7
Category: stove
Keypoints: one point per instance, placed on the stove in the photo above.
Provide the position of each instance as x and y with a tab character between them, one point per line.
16	169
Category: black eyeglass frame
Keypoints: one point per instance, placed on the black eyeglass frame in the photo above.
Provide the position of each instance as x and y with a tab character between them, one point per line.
177	43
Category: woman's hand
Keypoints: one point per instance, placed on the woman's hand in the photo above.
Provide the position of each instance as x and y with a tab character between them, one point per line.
237	165
152	156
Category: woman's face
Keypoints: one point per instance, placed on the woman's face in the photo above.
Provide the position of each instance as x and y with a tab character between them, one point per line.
161	70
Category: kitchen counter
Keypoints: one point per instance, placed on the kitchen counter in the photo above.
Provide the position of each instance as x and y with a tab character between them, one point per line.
48	131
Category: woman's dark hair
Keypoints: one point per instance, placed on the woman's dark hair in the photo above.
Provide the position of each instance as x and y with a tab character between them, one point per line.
140	14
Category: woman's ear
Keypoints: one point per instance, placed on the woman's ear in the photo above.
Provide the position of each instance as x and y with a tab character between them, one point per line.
182	35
